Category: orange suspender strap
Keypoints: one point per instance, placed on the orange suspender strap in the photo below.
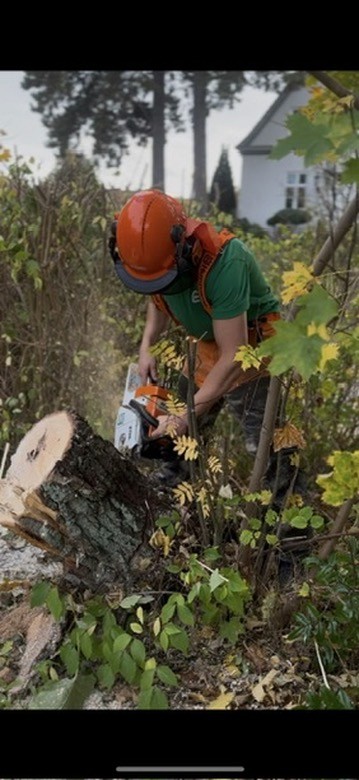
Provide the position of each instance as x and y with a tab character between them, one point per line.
206	263
204	260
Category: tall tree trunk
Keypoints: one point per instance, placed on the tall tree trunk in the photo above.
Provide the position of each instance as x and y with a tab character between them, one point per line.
73	494
199	137
158	160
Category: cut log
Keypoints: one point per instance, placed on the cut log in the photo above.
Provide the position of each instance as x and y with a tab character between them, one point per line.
73	494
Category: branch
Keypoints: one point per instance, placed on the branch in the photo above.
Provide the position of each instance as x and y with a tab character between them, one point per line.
332	242
335	86
338	526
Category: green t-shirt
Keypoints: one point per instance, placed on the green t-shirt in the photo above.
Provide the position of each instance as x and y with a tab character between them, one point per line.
235	284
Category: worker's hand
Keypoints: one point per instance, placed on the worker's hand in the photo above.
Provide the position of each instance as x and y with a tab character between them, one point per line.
147	366
169	424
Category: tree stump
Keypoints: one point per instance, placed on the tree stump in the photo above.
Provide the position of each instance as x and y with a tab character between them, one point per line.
73	494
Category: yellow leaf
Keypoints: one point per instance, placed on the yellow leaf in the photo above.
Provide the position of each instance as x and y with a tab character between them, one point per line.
186	446
221	702
320	330
174	405
347	100
202	498
139	614
288	436
160	539
214	465
5	154
304	590
157	626
296	282
329	352
184	492
247	356
258	691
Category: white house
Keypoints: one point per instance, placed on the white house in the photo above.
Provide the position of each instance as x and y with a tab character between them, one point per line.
268	186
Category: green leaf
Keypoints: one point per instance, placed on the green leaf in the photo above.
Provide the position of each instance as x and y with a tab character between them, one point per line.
307	138
130	601
55	604
144	699
121	642
138	651
185	615
299	522
304	353
159	700
271	539
170	629
136	628
146	680
316	306
166	675
246	536
70	657
230	629
164	641
316	521
39	593
351	171
215	580
86	645
64	694
127	667
105	676
194	592
167	612
180	642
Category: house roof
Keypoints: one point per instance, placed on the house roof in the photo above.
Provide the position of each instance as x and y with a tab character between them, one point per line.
245	146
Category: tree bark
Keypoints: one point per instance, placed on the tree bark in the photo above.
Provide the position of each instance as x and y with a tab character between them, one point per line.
158	158
338	526
73	494
199	137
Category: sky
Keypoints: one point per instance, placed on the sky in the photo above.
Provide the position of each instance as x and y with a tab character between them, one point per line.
25	134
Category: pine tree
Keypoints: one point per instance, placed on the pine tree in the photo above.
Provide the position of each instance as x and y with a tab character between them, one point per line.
222	190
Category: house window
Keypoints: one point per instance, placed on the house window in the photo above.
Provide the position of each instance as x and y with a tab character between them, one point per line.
295	191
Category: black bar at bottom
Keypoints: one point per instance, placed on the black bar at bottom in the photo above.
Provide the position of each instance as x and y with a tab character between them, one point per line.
144	744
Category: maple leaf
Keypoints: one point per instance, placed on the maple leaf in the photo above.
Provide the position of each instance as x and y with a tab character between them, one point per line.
288	436
296	282
247	355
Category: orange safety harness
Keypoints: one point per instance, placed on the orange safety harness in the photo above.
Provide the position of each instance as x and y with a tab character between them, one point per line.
207	248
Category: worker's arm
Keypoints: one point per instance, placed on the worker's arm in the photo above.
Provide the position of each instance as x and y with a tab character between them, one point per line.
229	336
156	322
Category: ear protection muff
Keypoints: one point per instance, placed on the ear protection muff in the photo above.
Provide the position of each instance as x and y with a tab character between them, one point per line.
183	248
112	242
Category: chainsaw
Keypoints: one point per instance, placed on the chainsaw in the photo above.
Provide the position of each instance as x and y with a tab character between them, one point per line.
137	419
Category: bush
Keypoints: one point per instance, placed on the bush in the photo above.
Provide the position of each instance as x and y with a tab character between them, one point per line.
289	217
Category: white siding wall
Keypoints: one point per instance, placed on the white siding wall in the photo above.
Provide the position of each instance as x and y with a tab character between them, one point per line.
264	182
275	127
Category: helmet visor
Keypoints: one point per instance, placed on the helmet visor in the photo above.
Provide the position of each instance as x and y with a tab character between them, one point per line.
146	287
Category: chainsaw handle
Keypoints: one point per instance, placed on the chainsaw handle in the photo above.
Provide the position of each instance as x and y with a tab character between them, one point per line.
143	413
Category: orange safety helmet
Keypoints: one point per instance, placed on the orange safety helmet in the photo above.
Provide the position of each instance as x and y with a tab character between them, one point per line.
149	235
